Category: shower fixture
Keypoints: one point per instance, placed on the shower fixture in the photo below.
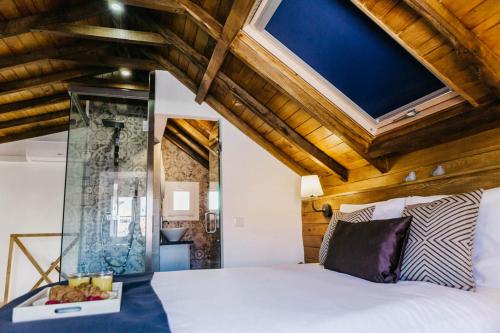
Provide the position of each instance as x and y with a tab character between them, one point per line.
118	126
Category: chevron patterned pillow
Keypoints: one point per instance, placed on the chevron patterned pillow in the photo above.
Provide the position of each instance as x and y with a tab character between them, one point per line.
362	215
439	247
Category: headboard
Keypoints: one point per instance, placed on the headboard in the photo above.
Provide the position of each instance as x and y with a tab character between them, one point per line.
470	163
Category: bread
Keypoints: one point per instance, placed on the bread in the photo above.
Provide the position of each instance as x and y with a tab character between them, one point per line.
72	296
81	293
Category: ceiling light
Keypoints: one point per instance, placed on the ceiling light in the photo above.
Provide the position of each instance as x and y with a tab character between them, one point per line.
124	72
116	7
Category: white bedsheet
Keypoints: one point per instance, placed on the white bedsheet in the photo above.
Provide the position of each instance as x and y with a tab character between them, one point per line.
308	298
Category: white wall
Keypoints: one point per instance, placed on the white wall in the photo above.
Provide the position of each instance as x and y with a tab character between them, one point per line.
31	201
257	189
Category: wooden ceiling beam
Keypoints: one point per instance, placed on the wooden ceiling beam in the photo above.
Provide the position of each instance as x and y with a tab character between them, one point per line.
110	61
171	38
235	21
464	40
169	6
229	115
17	60
110	83
199	16
36	102
288	133
34	119
16	86
104	34
187	139
459	126
314	103
194	132
32	133
174	139
66	14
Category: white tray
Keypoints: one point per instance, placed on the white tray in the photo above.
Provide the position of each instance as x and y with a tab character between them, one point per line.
26	311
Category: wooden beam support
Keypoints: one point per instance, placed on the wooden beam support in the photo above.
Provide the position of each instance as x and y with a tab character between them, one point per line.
66	14
169	6
110	61
462	125
36	102
104	34
16	86
235	21
314	103
202	19
199	16
230	116
39	131
109	83
288	133
216	61
34	119
17	60
174	139
187	139
194	132
464	40
171	38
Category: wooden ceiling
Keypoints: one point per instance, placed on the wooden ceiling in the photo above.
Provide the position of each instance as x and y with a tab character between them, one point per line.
197	138
46	44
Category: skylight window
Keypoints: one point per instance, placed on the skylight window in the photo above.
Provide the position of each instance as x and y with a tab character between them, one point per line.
347	57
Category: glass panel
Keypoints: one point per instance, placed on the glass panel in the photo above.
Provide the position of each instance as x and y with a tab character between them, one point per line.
105	195
214	196
190	156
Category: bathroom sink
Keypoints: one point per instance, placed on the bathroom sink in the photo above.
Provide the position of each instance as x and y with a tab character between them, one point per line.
173	234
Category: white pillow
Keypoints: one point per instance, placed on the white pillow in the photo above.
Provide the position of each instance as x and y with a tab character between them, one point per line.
388	209
486	251
419	200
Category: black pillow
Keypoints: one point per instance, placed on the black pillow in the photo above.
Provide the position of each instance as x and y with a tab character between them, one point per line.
370	250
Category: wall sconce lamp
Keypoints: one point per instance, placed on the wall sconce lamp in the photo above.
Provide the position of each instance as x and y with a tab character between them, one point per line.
438	171
411	177
310	187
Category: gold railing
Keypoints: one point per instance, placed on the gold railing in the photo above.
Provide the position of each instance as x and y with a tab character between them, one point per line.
15	239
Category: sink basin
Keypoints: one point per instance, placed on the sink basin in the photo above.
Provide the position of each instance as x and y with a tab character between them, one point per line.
173	234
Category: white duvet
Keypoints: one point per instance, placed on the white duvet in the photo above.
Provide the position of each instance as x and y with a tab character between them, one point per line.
308	298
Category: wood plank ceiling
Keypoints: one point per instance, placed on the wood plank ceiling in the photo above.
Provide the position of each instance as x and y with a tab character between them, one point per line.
46	44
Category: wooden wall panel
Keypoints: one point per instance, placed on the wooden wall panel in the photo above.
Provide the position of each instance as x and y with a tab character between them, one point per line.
470	163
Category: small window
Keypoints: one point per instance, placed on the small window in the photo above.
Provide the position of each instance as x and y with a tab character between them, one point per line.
181	201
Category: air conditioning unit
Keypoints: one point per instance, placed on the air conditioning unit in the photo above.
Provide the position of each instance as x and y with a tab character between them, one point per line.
45	151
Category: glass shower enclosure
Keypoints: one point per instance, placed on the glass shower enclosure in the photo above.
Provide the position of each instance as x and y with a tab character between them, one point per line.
106	222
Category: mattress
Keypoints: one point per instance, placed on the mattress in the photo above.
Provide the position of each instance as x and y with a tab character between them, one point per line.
308	298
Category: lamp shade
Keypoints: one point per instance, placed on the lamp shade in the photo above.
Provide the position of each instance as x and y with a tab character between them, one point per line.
310	186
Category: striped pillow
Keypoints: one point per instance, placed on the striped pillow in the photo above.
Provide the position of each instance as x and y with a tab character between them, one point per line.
362	215
439	247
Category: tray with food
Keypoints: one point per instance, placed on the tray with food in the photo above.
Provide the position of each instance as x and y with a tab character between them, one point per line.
63	301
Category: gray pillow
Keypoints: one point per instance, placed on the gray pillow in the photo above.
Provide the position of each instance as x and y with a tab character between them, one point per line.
362	215
439	247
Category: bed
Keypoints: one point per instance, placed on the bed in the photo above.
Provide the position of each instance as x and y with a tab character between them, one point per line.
309	298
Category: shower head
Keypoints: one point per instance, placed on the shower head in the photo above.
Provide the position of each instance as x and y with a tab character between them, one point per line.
113	123
117	126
